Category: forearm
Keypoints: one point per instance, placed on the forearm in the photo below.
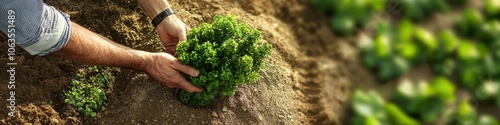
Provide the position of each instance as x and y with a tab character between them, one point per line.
91	48
153	7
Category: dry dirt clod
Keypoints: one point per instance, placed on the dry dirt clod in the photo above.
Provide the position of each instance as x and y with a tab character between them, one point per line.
54	121
244	108
214	114
224	109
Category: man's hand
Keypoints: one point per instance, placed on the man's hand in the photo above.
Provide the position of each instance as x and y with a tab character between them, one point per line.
172	30
90	48
167	69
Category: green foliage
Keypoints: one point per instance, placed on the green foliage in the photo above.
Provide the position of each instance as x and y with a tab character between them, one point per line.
423	99
426	40
419	9
487	90
414	104
347	15
444	67
343	25
473	60
448	41
378	55
368	109
411	104
387	55
469	53
86	92
458	2
226	53
488	31
442	62
466	114
392	67
444	89
397	116
487	120
469	22
492	8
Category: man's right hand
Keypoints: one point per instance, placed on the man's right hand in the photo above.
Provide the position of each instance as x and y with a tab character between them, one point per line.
167	69
91	48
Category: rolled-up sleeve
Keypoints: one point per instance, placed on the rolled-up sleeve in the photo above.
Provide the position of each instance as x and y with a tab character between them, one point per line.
39	29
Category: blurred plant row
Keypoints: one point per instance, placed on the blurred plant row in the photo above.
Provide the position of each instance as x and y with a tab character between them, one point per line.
348	15
467	53
415	104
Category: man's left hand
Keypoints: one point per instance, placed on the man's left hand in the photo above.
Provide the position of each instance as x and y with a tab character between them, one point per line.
171	31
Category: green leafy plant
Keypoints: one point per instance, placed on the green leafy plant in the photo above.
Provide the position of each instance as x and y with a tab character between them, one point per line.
473	60
487	120
368	109
488	31
226	53
470	56
419	9
492	8
397	116
87	90
427	101
379	54
466	114
347	15
469	22
442	62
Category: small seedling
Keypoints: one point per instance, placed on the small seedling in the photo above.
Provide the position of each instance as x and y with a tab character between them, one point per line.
87	90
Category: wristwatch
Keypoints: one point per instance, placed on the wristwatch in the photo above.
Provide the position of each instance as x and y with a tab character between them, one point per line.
162	15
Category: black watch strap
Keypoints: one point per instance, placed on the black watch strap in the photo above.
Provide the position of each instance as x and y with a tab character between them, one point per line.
157	20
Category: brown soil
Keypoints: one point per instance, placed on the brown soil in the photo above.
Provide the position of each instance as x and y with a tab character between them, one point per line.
306	80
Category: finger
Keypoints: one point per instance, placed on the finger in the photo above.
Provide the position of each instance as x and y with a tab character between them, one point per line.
187	28
170	50
167	83
182	35
186	69
171	85
184	84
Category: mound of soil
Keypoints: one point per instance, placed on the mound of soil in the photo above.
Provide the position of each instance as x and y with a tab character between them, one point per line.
305	81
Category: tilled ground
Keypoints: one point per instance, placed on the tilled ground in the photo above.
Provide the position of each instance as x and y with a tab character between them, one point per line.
306	80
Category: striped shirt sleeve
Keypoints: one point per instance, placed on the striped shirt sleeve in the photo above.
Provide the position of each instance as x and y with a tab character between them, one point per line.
39	29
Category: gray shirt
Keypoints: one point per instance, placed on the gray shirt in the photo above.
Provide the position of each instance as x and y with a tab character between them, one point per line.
36	27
